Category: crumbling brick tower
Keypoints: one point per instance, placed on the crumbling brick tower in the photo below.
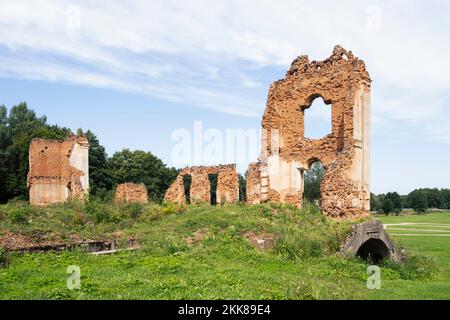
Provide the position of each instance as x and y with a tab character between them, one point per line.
344	83
59	170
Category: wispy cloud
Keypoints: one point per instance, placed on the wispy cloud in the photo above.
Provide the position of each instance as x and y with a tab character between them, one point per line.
214	54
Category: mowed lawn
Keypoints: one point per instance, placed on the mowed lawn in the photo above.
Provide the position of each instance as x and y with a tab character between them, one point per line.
427	235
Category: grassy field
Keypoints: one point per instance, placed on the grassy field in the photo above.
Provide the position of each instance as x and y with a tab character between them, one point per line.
427	235
202	252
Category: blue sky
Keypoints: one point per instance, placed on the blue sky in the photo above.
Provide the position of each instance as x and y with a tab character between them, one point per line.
135	72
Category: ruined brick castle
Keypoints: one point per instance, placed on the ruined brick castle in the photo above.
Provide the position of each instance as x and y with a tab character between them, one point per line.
60	170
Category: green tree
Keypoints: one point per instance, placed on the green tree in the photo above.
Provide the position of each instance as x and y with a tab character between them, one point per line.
418	201
100	177
434	198
242	188
375	203
4	143
387	205
142	167
16	132
404	201
312	180
446	196
187	183
396	201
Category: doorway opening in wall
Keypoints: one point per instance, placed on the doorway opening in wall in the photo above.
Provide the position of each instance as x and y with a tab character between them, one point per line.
317	119
213	188
312	180
187	182
242	187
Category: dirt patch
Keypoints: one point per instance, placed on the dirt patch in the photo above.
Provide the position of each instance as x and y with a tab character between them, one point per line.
16	242
261	241
198	236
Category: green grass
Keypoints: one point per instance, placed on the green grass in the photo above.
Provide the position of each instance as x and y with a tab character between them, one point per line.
436	247
304	264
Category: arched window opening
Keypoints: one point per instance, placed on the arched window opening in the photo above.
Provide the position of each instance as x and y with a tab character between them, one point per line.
317	119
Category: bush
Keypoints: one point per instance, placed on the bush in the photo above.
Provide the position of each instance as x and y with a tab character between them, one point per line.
78	218
20	215
134	210
413	268
102	195
97	212
311	211
157	211
3	213
300	246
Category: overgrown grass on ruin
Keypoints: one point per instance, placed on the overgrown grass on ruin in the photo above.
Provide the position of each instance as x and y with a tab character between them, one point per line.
191	252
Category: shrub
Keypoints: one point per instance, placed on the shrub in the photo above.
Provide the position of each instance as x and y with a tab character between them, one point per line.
73	204
3	213
299	246
78	218
413	267
159	210
172	208
134	210
310	211
97	212
20	215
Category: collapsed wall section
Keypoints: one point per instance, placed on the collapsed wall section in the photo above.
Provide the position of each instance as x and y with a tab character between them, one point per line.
253	183
200	188
58	170
131	193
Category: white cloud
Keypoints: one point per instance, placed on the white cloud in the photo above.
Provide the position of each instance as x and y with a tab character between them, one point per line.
207	53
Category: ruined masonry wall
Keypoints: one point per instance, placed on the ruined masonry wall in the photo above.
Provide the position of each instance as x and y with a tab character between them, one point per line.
253	184
131	193
344	83
227	185
58	170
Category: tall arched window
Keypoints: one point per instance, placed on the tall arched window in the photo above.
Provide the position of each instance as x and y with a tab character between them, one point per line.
317	119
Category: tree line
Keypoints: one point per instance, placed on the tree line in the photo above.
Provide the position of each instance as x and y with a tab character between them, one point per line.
420	200
21	124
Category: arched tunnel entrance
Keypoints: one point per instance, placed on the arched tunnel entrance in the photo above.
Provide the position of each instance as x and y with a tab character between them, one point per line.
369	241
373	250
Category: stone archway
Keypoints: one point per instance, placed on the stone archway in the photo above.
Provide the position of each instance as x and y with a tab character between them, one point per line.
370	242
